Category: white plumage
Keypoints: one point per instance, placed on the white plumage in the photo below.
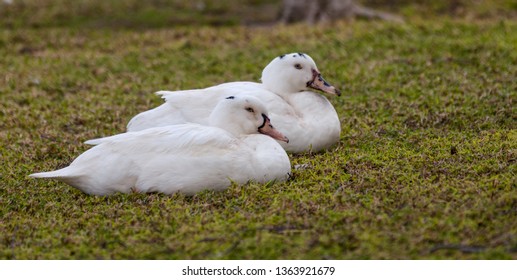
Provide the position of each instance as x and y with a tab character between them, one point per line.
305	117
184	158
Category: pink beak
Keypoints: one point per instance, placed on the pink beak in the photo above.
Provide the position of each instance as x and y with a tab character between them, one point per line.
268	129
320	84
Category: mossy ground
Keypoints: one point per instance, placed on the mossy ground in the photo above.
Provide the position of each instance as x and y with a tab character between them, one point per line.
425	168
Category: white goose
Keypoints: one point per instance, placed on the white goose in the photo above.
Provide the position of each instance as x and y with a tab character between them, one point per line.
305	117
185	158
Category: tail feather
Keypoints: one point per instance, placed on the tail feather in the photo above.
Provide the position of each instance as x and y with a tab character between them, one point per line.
162	92
57	174
93	142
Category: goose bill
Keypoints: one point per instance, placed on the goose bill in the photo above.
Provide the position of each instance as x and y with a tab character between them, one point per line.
320	84
267	129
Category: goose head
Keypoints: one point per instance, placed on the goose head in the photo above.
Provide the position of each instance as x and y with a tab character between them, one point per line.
244	115
294	72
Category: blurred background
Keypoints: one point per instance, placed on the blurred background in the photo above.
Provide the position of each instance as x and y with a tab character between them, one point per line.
167	13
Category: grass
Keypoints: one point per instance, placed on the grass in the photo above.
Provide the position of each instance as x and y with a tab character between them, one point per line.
135	13
425	168
166	13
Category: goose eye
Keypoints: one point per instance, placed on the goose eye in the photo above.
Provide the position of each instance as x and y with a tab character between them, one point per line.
249	109
298	66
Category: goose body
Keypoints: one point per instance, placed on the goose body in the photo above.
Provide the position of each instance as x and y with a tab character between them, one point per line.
187	158
304	116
